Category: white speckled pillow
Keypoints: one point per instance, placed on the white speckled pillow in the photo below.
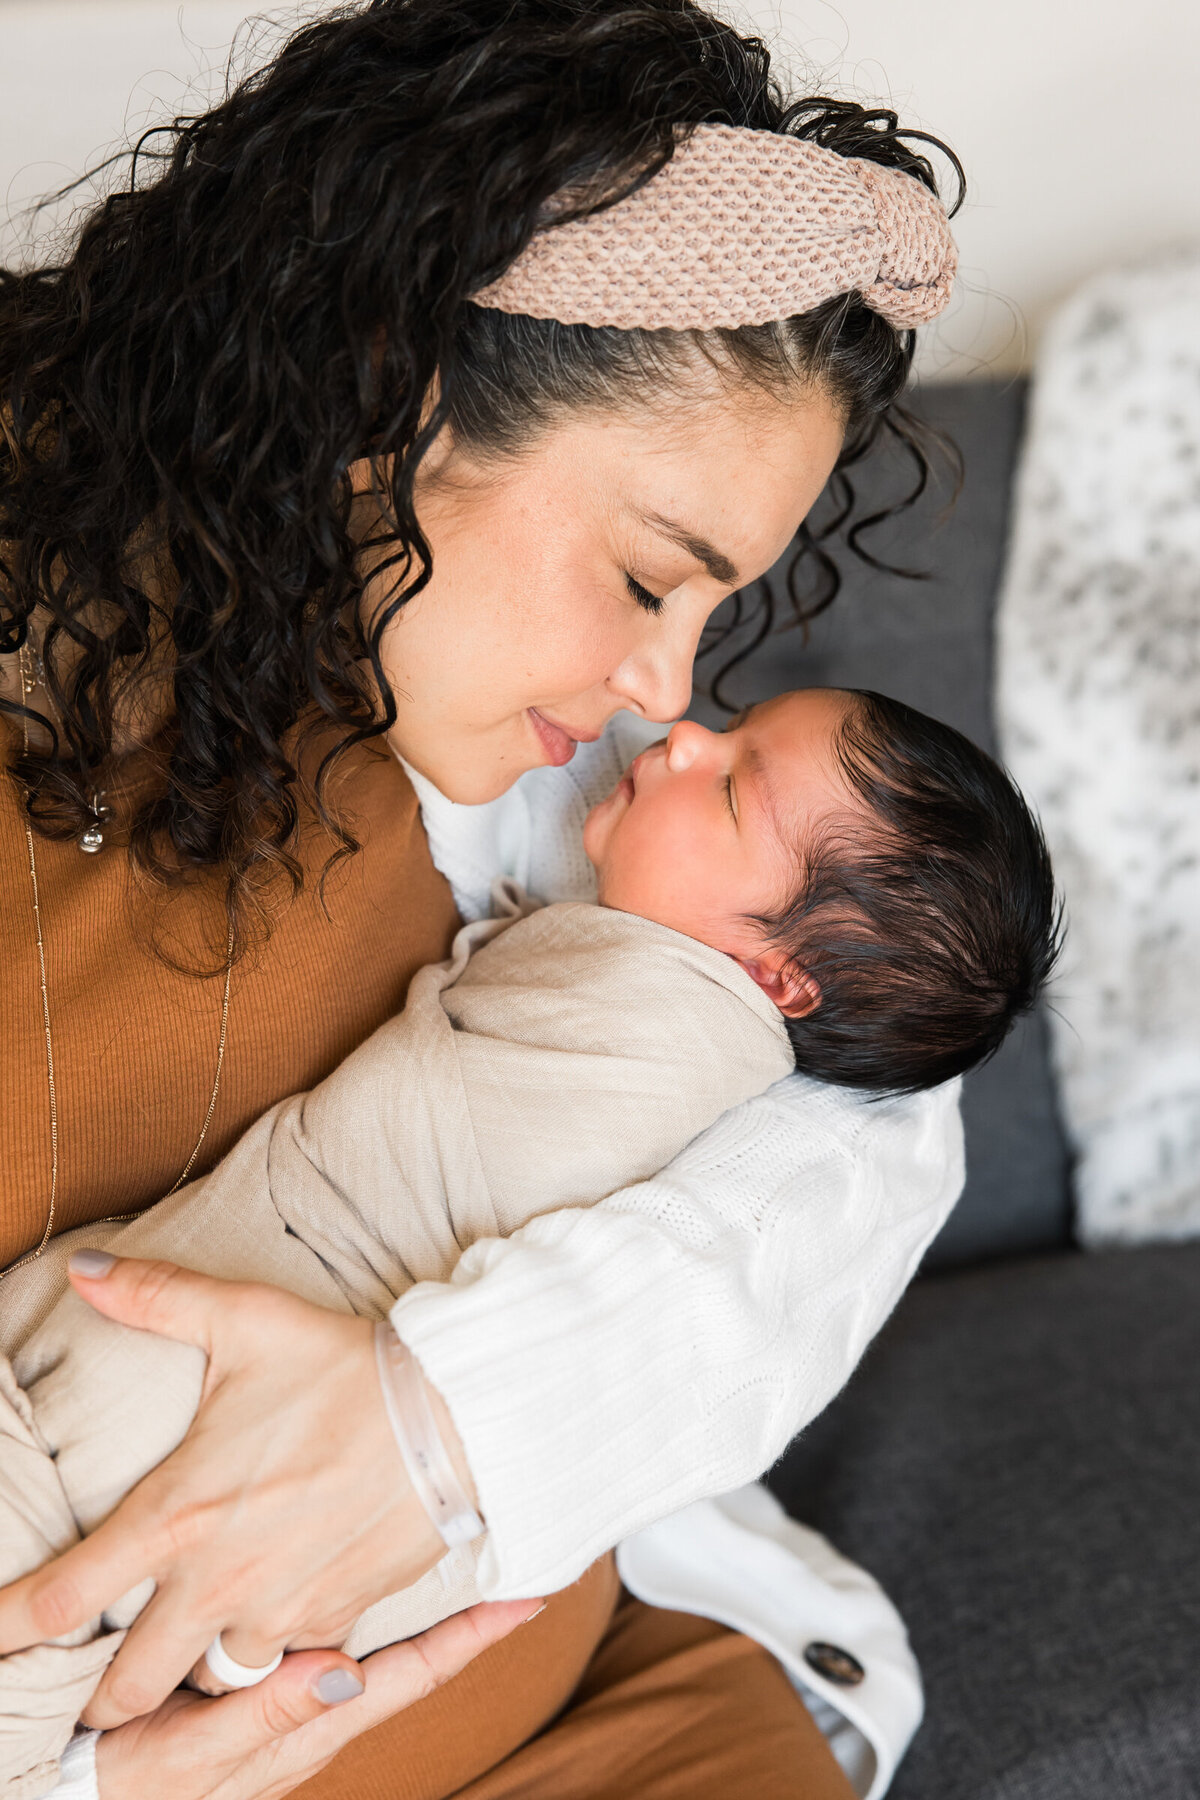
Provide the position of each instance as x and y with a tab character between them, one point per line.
1099	707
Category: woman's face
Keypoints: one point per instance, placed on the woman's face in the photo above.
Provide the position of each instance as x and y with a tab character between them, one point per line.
574	580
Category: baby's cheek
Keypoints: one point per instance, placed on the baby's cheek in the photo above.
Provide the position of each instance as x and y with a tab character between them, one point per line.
642	872
624	866
594	836
617	881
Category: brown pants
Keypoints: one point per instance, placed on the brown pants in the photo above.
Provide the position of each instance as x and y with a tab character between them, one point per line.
599	1698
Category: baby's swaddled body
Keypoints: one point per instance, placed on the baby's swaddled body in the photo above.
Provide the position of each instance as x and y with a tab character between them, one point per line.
556	1057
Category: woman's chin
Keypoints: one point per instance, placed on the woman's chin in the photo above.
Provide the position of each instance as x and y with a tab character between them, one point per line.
474	778
477	790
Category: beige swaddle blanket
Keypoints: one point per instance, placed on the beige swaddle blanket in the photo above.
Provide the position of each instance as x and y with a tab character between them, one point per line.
556	1057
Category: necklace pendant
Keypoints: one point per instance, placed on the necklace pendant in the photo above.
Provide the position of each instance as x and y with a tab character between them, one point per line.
92	839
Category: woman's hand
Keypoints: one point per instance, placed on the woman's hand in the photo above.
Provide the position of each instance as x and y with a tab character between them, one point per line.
285	1512
263	1741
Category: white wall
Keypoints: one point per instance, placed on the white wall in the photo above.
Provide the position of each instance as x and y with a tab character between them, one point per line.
78	76
1077	119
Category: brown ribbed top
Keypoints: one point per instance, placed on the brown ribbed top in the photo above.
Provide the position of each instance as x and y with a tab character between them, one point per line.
135	1041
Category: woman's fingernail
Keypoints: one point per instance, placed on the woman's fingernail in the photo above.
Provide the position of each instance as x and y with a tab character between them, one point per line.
92	1264
534	1614
336	1685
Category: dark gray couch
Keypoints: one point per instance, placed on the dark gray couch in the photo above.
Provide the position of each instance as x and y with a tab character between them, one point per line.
1018	1458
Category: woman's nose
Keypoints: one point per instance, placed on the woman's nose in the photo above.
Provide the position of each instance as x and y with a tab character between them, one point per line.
656	679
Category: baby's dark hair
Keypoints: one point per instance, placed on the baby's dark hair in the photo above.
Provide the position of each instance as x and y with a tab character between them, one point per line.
932	927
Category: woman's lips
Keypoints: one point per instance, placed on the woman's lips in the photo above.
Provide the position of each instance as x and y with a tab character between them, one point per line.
558	743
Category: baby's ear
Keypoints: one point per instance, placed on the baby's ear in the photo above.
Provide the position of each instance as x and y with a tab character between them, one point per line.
793	990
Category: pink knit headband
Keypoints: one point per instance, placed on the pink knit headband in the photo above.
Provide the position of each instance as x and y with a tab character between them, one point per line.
739	228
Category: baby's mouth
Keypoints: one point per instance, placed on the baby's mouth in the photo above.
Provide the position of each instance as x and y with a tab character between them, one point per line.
631	773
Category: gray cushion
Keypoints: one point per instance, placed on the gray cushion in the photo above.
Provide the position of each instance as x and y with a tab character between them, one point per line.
930	643
1018	1461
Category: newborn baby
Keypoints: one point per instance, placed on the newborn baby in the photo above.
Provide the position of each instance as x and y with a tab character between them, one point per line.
835	883
878	876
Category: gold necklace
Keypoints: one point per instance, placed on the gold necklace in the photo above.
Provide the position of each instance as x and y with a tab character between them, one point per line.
91	842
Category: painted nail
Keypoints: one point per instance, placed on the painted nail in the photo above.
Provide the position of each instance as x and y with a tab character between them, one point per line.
94	1265
336	1685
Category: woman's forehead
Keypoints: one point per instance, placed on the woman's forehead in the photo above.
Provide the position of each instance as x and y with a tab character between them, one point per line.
729	490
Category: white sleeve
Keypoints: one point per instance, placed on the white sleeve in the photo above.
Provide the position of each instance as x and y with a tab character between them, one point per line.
606	1366
77	1769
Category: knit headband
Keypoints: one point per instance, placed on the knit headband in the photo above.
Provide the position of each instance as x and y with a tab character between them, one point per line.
739	228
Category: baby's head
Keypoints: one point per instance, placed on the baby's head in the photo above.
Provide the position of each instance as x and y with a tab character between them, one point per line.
879	876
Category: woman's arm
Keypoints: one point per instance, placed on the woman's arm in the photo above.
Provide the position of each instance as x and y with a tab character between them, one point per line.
603	1367
667	1344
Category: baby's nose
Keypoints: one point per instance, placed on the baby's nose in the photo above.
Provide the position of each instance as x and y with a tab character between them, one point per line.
685	742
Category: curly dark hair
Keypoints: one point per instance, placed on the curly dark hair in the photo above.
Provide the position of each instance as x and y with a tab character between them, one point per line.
265	302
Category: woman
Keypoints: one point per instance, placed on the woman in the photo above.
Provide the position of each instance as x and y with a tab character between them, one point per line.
277	497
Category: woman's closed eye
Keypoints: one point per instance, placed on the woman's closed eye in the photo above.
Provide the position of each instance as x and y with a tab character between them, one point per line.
730	801
651	603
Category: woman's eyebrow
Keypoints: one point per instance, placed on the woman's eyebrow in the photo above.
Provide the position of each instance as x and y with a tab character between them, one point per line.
714	561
